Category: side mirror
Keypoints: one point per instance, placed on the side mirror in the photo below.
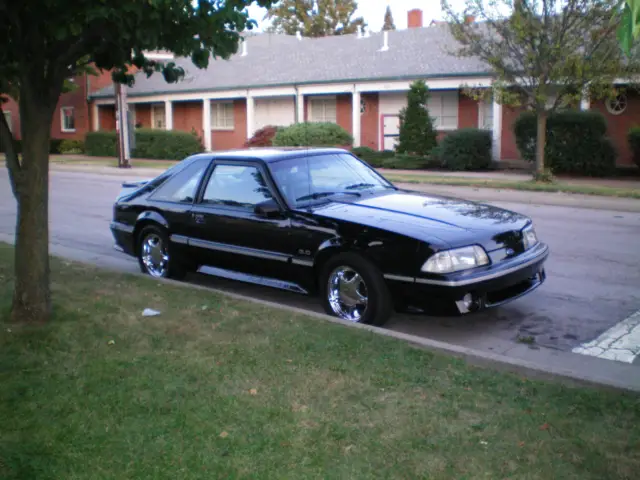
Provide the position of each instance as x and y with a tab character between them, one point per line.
268	208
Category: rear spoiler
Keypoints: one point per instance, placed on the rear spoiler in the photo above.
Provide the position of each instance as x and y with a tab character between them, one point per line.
138	184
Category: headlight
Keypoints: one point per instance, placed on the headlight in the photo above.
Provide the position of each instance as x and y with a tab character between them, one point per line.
529	237
455	260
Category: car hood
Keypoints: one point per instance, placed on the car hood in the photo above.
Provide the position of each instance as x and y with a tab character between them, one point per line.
452	221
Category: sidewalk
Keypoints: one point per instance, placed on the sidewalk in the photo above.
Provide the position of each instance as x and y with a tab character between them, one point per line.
468	193
508	176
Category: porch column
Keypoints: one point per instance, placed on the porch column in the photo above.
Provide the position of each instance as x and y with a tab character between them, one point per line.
497	130
299	108
356	121
168	114
251	107
95	114
206	123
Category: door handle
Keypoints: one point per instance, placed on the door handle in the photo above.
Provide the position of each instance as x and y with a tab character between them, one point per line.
198	217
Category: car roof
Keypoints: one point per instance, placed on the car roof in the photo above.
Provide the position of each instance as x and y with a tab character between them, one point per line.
270	154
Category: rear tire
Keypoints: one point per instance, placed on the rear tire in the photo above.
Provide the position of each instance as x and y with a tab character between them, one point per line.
353	289
154	254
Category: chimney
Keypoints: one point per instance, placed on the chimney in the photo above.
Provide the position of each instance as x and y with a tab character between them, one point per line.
244	48
299	35
385	40
469	19
414	18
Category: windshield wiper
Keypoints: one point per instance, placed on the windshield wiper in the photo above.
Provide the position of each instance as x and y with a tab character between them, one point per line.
366	185
317	195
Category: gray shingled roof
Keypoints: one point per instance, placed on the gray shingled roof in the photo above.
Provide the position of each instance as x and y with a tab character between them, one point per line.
277	60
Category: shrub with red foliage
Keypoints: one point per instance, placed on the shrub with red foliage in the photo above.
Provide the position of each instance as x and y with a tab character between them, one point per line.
262	137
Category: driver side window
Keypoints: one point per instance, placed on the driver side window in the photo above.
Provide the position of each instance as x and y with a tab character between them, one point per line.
237	186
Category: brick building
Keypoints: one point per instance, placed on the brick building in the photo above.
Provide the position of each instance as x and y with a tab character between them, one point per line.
357	81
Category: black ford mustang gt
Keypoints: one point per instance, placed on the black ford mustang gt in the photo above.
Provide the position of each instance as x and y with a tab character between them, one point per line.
322	221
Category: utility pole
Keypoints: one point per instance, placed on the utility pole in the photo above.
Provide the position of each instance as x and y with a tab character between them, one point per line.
123	127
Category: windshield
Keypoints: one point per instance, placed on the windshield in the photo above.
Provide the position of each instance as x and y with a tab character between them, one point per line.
305	179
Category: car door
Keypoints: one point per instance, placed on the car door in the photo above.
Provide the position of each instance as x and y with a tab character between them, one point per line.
174	200
227	230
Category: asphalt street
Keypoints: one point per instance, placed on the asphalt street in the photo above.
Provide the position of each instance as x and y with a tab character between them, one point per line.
593	280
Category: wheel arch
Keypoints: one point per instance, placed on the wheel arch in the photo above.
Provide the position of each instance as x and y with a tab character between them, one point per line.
145	219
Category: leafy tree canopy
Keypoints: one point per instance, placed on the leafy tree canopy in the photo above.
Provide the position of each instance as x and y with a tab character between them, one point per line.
544	54
388	20
45	43
315	18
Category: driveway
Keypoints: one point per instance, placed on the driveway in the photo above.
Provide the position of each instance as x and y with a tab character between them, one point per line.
593	278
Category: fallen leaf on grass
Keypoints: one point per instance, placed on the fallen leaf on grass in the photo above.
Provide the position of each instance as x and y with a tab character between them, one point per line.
224	435
111	342
544	426
482	442
253	391
521	444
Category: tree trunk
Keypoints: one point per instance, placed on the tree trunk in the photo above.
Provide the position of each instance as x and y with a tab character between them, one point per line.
31	296
541	141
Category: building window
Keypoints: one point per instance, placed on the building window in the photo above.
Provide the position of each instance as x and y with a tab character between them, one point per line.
68	120
7	117
443	108
222	116
485	108
323	110
157	117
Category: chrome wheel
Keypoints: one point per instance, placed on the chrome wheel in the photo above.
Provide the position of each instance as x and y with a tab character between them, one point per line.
154	255
347	294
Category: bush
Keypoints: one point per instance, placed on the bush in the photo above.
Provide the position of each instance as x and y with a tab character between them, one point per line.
101	144
155	144
633	137
72	146
165	144
54	145
576	142
466	149
373	157
403	161
262	137
417	134
313	135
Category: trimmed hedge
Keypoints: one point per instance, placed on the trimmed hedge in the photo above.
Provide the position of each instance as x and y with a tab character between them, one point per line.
54	146
263	137
312	135
633	137
101	144
466	149
373	157
72	146
576	142
154	144
405	161
165	144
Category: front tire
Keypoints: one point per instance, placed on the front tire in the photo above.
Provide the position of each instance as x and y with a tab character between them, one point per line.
353	289
154	255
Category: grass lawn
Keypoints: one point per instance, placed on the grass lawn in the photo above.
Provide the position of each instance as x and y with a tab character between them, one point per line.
218	388
558	186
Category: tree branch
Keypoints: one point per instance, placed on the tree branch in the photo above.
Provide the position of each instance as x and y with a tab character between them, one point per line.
11	154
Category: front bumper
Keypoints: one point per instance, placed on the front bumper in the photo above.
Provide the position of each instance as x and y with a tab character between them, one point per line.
475	289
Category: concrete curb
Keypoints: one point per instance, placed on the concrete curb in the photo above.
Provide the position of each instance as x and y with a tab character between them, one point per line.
543	364
543	371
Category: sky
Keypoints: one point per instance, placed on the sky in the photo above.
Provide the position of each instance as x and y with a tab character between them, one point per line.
373	11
